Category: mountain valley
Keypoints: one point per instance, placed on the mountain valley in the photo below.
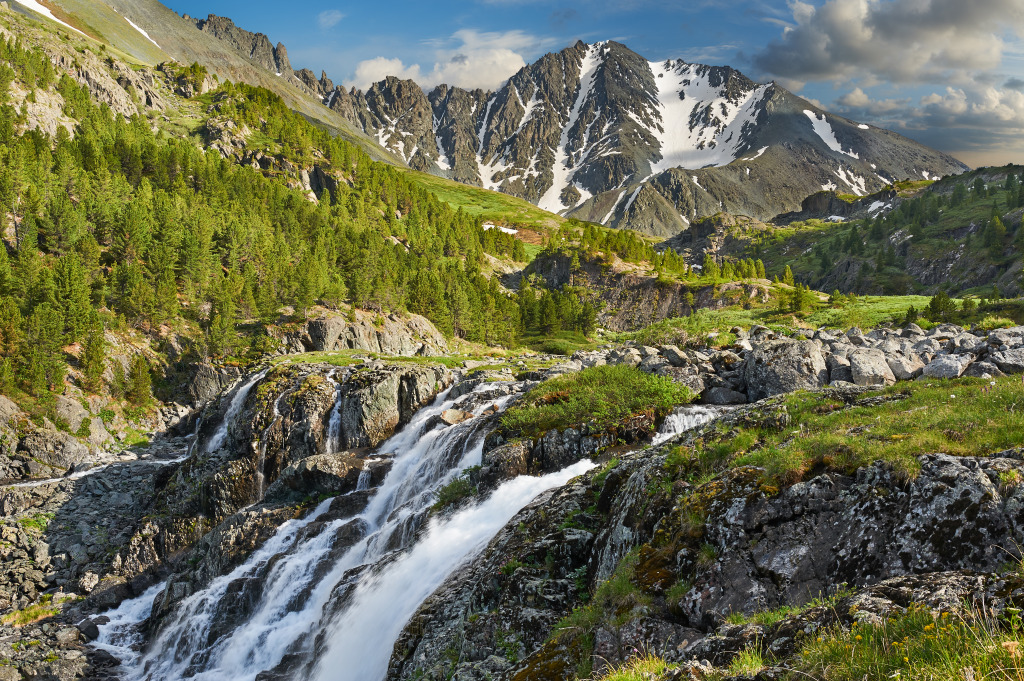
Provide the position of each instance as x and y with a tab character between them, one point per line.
624	370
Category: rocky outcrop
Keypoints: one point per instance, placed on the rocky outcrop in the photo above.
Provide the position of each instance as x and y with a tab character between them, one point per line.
382	334
761	363
254	46
737	544
776	367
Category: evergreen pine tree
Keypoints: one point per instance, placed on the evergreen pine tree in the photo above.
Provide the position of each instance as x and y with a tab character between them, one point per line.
138	383
93	359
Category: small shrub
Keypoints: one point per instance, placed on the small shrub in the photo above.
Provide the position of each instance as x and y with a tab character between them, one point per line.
454	492
509	568
991	323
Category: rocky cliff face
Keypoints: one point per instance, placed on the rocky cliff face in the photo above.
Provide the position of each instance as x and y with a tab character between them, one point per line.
598	132
387	335
256	46
758	549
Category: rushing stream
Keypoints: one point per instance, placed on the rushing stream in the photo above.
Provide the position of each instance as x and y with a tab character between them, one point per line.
337	589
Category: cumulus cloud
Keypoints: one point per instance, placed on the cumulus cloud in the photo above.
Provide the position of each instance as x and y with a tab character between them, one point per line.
370	71
329	18
903	41
957	47
468	58
858	102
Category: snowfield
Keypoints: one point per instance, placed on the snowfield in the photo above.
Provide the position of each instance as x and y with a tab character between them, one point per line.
684	89
827	134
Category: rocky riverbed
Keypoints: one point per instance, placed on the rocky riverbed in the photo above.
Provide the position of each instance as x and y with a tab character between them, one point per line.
192	506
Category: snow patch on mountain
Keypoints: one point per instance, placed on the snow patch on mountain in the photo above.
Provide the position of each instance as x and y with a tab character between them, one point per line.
827	134
632	198
564	167
856	183
604	221
685	93
40	8
139	29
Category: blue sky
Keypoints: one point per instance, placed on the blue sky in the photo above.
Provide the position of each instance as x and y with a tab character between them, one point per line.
949	73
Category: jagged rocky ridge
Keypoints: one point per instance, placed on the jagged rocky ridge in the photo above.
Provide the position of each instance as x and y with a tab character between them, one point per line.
597	132
594	131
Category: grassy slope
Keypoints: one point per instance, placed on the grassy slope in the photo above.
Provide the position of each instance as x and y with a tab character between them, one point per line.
792	244
489	205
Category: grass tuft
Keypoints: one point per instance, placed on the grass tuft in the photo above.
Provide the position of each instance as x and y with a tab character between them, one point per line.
607	396
920	645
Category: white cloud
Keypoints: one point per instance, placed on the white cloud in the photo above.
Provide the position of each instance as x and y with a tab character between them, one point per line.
859	101
329	18
468	58
370	71
905	41
961	48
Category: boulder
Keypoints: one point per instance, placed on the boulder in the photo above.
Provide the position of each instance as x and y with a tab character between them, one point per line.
983	370
318	474
905	367
838	369
653	363
781	366
869	367
688	376
455	416
723	396
71	411
856	337
1009	361
56	449
675	356
504	463
944	366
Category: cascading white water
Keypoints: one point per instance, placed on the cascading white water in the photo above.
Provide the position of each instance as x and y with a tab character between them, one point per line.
237	402
361	642
334	424
294	580
686	418
120	635
363	483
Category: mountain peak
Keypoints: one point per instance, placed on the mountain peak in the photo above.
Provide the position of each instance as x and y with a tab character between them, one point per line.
598	132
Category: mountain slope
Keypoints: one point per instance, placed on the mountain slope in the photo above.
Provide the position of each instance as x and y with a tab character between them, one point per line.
599	133
594	131
149	33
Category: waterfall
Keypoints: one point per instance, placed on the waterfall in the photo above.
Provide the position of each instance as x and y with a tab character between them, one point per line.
361	641
334	424
363	483
237	402
686	418
317	579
